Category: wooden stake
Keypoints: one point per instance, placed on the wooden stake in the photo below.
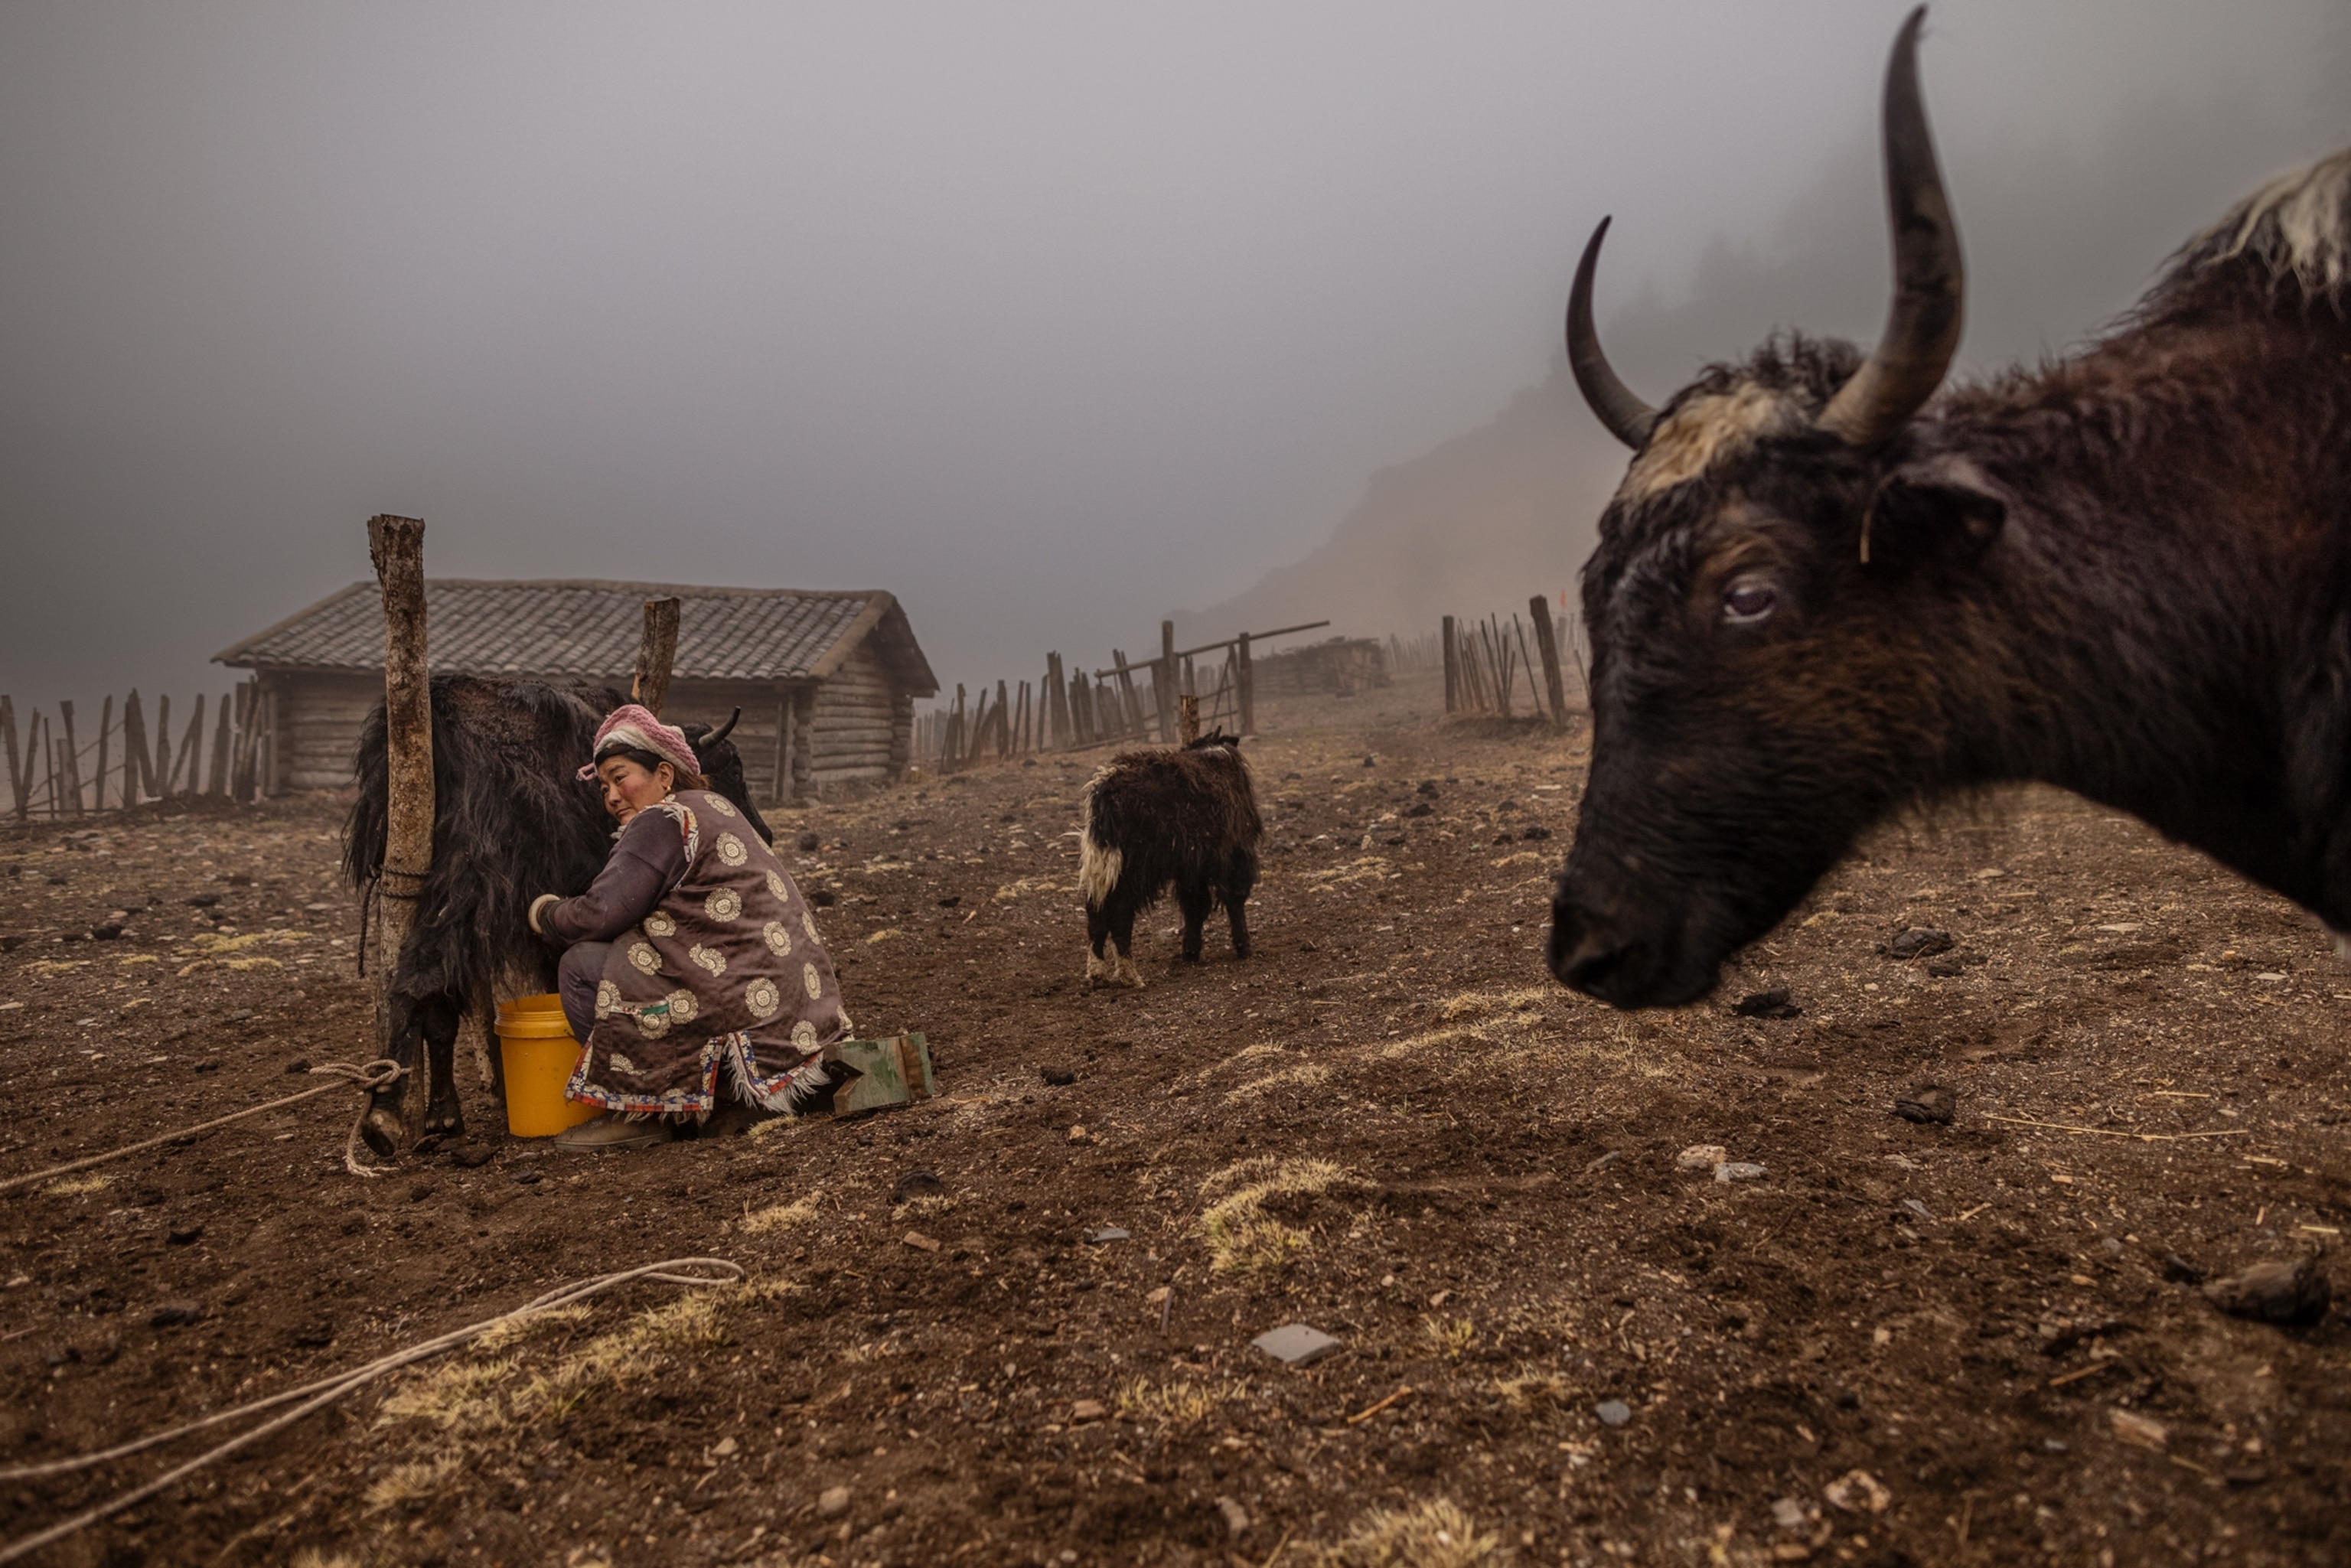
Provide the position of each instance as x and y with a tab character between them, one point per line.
1452	668
70	771
656	652
15	771
105	729
138	768
1058	700
217	780
1003	723
396	547
1188	707
185	763
1555	681
1245	683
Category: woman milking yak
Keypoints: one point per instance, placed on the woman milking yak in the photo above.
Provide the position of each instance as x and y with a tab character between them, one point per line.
692	962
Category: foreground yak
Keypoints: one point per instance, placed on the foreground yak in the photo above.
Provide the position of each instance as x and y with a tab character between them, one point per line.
512	820
1822	592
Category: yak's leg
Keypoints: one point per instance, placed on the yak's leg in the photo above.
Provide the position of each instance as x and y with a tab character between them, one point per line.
389	1124
1125	906
1194	899
1099	970
1240	876
439	1017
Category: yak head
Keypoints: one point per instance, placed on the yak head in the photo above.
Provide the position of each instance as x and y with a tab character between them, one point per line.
1788	554
722	766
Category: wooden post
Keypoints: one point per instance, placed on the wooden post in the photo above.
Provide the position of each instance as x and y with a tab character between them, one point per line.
16	771
1554	682
50	746
70	773
656	652
216	777
1162	683
188	761
780	789
1188	713
396	547
1452	668
1245	683
1058	697
105	729
138	768
1003	722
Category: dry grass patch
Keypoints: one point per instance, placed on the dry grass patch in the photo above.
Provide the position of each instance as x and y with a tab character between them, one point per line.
1243	1236
1472	1004
78	1186
1177	1404
462	1397
1301	1077
1448	1339
784	1216
403	1486
1434	1535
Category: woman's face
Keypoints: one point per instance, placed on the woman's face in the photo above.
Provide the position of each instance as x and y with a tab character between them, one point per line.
629	788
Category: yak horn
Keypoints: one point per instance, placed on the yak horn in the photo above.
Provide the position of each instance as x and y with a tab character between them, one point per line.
1628	419
1922	324
724	730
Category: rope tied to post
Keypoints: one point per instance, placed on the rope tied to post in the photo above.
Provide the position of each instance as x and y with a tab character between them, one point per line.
373	1076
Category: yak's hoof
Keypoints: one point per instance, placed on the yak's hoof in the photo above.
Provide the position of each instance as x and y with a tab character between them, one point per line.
384	1130
451	1120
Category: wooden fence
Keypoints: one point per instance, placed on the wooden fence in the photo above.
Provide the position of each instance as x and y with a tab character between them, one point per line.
53	773
1486	662
1155	699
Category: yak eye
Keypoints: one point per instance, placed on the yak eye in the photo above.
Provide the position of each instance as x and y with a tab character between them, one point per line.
1747	601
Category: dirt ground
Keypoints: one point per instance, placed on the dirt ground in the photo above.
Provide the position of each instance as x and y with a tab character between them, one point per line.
1389	1124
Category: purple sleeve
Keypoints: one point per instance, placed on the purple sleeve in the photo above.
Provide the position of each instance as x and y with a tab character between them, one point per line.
646	861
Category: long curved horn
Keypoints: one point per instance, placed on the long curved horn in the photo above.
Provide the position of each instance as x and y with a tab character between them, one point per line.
724	730
1628	419
1922	324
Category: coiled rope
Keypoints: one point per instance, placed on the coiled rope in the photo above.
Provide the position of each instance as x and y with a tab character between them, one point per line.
371	1077
315	1396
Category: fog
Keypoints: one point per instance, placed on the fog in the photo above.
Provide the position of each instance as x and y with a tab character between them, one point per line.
1052	319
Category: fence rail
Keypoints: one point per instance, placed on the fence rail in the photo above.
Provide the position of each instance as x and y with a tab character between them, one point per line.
52	773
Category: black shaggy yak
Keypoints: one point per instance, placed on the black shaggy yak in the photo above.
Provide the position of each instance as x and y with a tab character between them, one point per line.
511	820
1826	589
1151	817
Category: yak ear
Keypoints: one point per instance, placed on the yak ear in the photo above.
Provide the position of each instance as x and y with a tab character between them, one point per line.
1937	509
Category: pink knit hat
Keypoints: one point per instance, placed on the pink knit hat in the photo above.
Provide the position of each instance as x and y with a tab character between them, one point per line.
636	729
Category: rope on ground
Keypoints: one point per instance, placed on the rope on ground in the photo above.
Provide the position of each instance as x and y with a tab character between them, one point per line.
371	1077
315	1396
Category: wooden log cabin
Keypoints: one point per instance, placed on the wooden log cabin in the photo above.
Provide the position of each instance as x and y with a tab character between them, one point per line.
826	681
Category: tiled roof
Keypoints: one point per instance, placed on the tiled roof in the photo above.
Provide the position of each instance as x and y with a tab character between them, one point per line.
589	630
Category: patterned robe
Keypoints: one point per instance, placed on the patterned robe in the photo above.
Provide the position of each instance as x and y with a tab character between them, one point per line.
727	971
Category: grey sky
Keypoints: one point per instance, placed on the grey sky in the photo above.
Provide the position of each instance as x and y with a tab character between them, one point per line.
1050	318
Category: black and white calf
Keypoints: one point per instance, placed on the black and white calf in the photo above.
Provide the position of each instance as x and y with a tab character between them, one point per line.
1151	817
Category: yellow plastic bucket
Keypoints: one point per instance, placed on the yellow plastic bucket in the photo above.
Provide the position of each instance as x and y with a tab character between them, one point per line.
535	1043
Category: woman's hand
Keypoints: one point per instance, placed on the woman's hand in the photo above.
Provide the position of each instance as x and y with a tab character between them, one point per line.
539	903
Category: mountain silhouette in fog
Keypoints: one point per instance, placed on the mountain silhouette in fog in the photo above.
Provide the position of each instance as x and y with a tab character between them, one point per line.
2060	240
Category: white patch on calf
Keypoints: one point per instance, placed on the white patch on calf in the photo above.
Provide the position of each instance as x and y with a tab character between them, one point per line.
1098	869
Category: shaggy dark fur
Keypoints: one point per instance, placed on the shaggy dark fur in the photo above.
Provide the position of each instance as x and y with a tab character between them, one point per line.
1151	818
2128	574
511	822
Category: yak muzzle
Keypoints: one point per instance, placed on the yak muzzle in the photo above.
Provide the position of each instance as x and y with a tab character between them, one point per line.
1627	962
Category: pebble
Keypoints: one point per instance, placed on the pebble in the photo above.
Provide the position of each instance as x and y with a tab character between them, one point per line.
1057	1076
1856	1491
1612	1158
2295	1294
1107	1233
1078	1134
299	1064
833	1501
1701	1158
1296	1345
1237	1519
174	1314
920	1242
183	1235
1086	1410
1613	1412
1787	1513
1919	941
2178	1271
1929	1103
1737	1170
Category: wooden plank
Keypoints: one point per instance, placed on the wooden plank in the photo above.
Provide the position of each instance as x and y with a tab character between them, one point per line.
1245	683
1162	683
1058	697
69	773
187	763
